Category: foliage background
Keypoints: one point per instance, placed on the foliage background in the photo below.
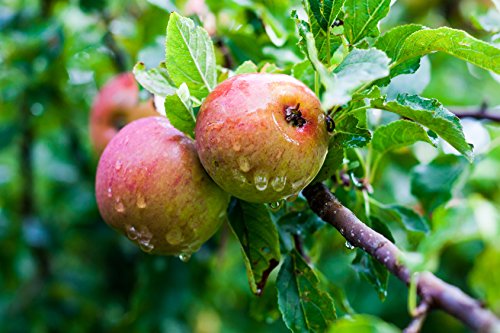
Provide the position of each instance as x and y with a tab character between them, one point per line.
63	269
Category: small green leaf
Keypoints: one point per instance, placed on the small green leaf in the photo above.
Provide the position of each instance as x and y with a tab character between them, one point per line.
406	225
350	135
333	160
391	43
304	306
431	114
485	280
432	184
358	68
258	237
246	67
362	324
179	111
362	17
453	42
326	12
155	80
400	133
373	271
190	56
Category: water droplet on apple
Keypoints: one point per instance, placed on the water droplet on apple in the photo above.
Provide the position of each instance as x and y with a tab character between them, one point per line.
119	207
174	236
118	165
184	257
110	192
349	245
275	206
141	201
298	184
132	233
260	181
244	164
278	183
145	245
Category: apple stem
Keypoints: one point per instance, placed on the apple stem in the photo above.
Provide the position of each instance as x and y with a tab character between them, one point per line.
293	116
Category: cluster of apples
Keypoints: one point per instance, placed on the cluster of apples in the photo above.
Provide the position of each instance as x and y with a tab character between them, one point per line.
259	137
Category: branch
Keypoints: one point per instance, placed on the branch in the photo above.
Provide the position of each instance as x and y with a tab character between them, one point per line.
438	293
479	113
118	55
418	317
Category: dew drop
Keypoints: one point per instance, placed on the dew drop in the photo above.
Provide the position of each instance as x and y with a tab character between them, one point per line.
110	192
118	165
259	291
278	183
297	185
276	206
244	164
132	233
260	182
119	207
174	236
146	246
141	201
349	245
184	257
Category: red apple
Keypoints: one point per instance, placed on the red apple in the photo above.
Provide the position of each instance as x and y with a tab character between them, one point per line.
262	137
151	187
116	105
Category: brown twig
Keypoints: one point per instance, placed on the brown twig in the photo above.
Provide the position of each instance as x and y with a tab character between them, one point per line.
479	113
438	293
418	317
118	55
299	246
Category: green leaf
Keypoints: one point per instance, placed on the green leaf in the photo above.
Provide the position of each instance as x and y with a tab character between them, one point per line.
453	42
431	114
258	237
300	222
190	56
358	68
304	72
406	225
326	42
326	12
350	135
246	67
362	324
304	306
155	80
179	111
362	17
432	184
373	271
391	43
333	160
485	280
399	134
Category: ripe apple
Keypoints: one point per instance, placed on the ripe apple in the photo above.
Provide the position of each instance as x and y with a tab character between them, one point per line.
151	187
262	137
116	105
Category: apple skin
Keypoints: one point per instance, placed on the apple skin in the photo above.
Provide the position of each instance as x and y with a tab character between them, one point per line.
116	105
249	148
151	187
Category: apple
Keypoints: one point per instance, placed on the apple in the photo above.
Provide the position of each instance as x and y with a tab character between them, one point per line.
151	187
262	137
116	105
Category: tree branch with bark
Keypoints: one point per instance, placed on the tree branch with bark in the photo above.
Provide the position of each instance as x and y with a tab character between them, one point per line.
434	292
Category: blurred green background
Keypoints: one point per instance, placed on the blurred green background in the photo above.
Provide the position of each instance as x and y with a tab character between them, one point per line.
62	269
